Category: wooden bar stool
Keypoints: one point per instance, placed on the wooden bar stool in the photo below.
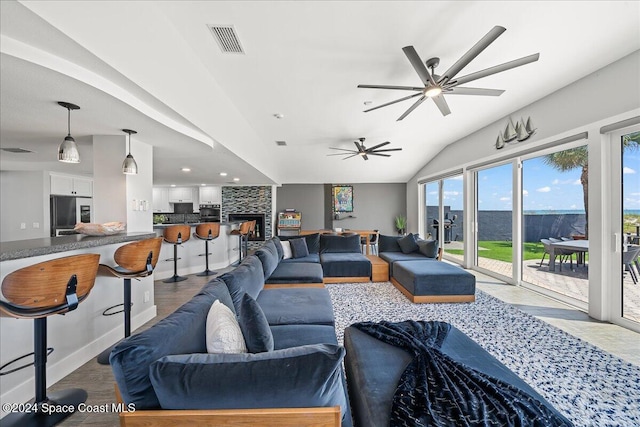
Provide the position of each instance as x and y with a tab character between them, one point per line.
242	234
134	260
207	231
37	292
176	235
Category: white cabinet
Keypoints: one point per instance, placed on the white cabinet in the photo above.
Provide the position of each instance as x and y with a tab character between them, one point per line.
66	185
161	199
180	195
209	195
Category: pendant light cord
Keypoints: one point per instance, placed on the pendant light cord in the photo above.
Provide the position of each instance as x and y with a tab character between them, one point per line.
68	121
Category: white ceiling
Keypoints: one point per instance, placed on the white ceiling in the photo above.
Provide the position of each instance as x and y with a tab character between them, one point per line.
154	67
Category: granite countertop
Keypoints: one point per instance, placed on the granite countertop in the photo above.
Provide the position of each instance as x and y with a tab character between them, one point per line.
50	245
192	224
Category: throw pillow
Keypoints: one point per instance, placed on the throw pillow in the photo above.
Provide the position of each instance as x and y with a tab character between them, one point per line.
408	244
286	249
428	248
254	326
223	331
299	248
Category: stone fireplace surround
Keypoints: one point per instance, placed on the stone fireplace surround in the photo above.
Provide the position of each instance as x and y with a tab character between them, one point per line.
249	200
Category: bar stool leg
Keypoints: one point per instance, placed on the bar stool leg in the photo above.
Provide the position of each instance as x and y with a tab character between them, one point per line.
206	271
103	358
175	277
67	400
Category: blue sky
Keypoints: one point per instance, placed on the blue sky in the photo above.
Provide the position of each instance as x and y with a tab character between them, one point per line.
544	188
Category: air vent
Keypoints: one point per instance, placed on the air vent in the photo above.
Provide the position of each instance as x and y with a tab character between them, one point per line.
281	143
17	150
227	38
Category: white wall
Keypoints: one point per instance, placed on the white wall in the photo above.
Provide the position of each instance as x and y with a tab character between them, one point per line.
140	187
22	195
109	183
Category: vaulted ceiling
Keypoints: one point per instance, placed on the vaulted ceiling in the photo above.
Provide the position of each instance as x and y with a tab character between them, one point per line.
154	66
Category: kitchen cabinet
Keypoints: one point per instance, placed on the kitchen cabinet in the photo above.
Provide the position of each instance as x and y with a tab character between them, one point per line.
161	200
210	195
66	185
180	195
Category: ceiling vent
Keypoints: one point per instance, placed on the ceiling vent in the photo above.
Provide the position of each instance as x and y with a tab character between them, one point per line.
281	143
17	150
227	38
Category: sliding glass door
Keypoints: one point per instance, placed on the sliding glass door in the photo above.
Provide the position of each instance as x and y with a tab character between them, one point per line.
494	212
452	230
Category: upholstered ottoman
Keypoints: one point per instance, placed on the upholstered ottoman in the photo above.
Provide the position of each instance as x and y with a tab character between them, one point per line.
429	281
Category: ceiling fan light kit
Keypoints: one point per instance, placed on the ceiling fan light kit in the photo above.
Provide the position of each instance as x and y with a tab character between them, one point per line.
363	151
436	86
68	150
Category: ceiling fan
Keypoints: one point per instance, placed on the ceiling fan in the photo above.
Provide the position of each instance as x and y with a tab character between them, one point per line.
364	151
436	86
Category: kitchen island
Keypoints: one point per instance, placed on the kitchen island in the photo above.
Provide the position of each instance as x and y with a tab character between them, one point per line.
223	252
80	335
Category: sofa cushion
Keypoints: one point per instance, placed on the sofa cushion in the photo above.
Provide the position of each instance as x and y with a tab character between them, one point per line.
296	272
388	243
299	248
313	241
345	265
393	257
298	377
247	277
219	291
434	278
130	359
278	245
223	334
408	244
289	306
340	244
268	256
254	326
286	336
309	258
428	248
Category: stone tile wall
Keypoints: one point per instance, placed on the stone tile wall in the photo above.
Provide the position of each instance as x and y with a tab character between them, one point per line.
249	199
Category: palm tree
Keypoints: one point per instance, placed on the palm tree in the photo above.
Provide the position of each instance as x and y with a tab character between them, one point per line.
579	158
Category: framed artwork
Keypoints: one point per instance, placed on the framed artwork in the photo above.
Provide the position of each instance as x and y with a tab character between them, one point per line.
342	198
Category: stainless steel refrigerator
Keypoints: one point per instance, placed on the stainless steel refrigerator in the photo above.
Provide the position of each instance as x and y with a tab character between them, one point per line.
67	211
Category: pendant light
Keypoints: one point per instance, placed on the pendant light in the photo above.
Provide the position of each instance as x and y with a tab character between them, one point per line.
68	150
129	166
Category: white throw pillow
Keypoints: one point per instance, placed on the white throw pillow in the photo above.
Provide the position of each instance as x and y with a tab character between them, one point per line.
286	249
223	331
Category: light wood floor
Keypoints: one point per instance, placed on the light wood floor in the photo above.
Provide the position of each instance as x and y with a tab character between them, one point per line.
98	381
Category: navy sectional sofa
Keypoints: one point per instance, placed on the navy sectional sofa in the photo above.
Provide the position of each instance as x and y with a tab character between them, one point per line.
330	259
169	376
415	271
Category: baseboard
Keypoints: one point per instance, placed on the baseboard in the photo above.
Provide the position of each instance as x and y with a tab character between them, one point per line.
57	371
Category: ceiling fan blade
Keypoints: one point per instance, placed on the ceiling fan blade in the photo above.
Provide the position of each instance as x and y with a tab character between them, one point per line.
413	107
359	146
339	154
378	154
364	156
418	65
390	87
442	105
497	69
378	146
474	91
393	102
385	150
342	149
348	157
472	53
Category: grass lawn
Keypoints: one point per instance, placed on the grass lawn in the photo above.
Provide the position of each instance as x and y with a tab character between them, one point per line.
502	250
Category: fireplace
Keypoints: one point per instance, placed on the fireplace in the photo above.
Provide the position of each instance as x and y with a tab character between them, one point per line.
259	232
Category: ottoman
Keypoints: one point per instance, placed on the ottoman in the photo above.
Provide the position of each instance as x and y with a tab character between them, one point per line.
431	281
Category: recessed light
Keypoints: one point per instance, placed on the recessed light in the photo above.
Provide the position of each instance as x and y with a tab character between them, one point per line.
173	185
223	174
186	170
236	179
203	184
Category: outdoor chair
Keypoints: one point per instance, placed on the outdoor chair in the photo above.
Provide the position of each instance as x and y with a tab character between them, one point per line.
563	253
629	258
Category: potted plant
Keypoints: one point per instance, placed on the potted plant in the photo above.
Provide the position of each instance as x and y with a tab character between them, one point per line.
401	224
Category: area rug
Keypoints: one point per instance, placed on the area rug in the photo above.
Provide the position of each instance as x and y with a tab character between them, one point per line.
589	386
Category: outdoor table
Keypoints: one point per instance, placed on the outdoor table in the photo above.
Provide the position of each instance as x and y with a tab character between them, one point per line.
572	245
